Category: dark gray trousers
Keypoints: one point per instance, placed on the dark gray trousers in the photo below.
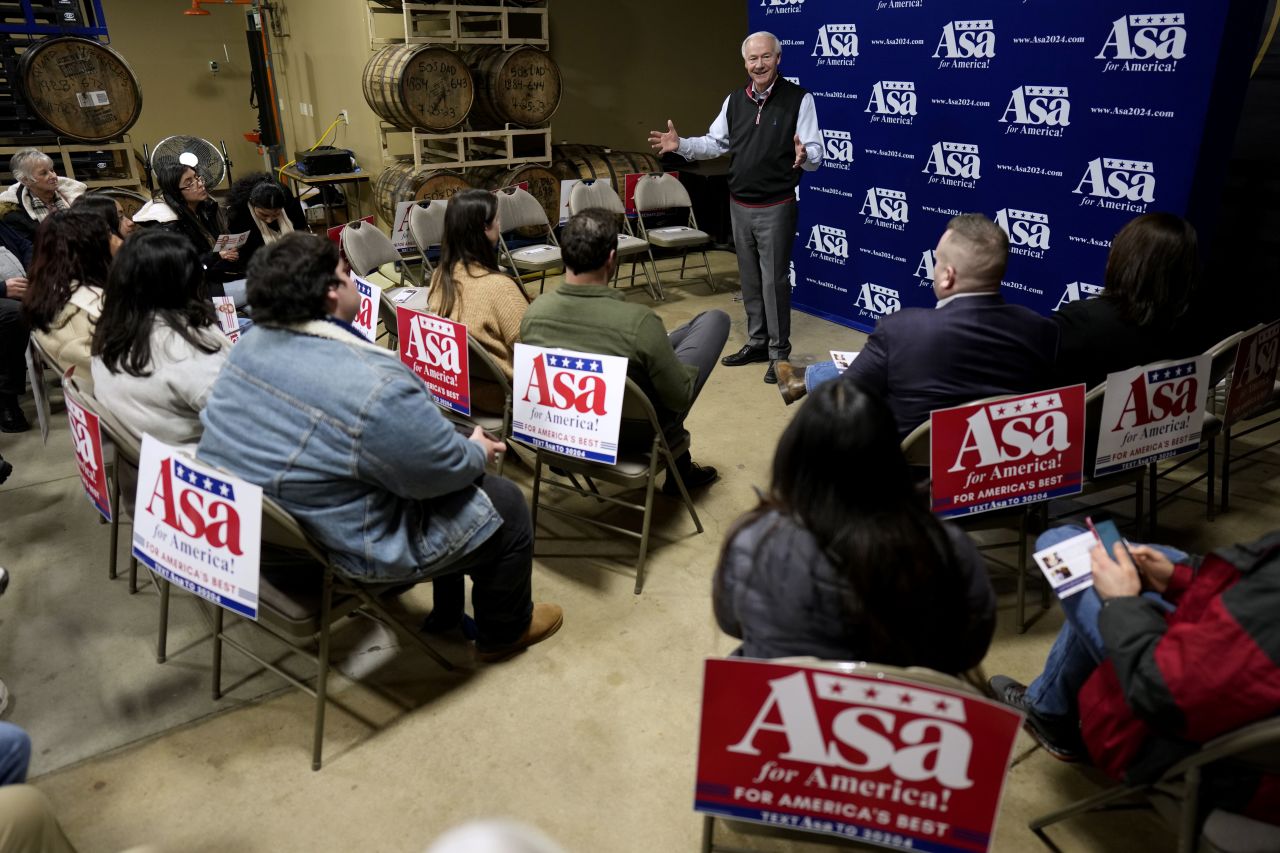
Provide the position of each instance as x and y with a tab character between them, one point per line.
763	237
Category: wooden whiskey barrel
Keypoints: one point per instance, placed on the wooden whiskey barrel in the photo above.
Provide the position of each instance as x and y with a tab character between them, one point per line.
544	185
399	182
414	85
590	162
520	87
130	201
80	88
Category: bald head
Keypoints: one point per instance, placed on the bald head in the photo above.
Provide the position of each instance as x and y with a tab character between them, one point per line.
971	256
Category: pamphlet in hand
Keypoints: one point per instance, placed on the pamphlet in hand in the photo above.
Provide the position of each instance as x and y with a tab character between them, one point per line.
843	359
230	241
1067	565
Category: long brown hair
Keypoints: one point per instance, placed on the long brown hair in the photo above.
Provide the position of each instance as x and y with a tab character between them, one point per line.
71	246
1152	268
468	214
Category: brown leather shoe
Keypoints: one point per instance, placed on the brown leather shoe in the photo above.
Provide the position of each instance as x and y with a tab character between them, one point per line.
546	620
790	381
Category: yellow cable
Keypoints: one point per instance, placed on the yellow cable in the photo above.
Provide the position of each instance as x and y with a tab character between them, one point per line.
1266	42
315	145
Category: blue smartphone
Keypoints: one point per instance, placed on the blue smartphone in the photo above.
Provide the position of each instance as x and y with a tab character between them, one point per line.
1108	535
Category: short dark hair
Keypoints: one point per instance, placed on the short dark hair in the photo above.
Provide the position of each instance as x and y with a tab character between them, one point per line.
103	205
1152	268
156	274
289	279
588	239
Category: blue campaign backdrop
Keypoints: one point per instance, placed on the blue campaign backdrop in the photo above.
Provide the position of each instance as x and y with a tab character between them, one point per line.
1060	121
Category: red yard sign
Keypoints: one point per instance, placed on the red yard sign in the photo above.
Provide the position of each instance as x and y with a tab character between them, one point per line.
1254	378
887	761
1018	450
436	350
87	438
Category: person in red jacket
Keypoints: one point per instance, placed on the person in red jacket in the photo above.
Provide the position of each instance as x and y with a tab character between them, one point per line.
1163	656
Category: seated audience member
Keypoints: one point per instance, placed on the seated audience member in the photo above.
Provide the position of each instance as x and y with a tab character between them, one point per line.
157	348
971	345
15	754
28	823
259	206
845	567
13	343
1141	679
586	315
109	208
1151	272
347	439
184	207
73	251
467	287
38	191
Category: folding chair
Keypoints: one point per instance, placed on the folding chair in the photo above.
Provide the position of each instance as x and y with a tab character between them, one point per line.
633	470
426	227
368	250
665	193
1257	745
915	447
122	475
519	209
299	604
483	366
589	194
1093	484
1267	410
1223	355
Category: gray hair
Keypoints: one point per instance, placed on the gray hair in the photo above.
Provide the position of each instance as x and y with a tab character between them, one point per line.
22	161
777	45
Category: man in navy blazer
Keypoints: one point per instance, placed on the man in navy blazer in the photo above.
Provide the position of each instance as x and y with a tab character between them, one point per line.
971	345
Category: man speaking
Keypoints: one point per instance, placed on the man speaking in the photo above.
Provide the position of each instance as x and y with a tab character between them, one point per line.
771	128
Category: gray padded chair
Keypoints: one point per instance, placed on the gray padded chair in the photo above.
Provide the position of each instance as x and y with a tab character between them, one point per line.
665	193
518	209
368	249
633	470
600	194
426	227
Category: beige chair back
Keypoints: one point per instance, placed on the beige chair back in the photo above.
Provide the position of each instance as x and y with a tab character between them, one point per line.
426	224
367	248
589	194
519	209
660	192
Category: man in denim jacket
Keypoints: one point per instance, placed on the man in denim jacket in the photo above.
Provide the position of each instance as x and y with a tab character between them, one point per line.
346	438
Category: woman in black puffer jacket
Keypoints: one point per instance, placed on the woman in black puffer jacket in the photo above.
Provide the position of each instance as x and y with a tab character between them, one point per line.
842	560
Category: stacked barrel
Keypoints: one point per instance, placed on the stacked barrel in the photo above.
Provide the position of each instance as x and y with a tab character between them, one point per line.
439	89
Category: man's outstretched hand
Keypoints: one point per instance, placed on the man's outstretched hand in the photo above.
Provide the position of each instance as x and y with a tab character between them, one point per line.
802	155
664	143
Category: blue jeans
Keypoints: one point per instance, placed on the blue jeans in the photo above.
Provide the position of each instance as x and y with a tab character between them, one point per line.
1078	649
818	373
15	754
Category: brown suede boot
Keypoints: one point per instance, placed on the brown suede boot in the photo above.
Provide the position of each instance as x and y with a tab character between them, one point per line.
546	620
790	381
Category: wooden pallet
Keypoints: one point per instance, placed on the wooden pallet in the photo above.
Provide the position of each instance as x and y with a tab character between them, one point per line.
513	146
457	25
104	164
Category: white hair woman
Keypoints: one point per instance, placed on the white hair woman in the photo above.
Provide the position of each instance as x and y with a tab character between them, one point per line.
38	191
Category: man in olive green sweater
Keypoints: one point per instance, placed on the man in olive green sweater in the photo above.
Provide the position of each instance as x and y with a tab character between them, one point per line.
587	315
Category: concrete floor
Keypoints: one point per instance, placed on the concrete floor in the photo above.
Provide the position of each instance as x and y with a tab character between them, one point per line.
590	736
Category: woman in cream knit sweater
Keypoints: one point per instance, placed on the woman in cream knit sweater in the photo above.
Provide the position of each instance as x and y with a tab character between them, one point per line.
467	287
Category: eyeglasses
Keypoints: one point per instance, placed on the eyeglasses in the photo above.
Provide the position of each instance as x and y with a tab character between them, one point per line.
192	184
